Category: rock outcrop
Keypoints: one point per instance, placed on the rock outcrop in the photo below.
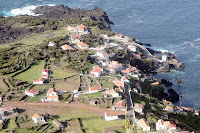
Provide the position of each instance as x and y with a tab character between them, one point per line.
60	12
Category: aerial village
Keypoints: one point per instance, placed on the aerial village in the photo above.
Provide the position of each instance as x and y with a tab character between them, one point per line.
120	99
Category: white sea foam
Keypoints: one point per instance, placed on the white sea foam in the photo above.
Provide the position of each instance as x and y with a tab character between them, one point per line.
197	40
25	10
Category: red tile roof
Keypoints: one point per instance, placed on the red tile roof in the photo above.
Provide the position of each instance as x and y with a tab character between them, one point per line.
82	44
32	91
76	37
67	47
113	113
120	103
40	79
81	27
94	88
44	70
96	69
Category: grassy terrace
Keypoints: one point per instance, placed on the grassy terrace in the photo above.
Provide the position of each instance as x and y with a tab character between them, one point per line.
93	95
32	73
95	125
38	38
59	74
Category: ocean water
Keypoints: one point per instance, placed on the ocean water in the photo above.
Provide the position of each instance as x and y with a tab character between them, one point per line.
165	24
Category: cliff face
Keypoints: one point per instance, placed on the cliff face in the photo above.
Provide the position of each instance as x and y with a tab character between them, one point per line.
60	12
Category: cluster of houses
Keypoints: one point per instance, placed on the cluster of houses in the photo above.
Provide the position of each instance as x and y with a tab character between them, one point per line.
6	112
44	75
52	95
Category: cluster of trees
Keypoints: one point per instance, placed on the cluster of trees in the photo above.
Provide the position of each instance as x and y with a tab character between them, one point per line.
92	40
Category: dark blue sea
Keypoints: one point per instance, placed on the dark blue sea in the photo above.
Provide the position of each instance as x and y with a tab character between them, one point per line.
165	24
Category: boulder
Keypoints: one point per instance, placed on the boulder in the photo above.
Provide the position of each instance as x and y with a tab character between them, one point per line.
178	81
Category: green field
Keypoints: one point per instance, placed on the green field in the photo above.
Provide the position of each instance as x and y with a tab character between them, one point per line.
58	73
42	87
95	125
93	95
33	73
38	38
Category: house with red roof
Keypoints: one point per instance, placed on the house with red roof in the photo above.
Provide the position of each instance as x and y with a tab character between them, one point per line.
144	124
138	108
93	89
97	71
169	108
82	45
102	55
31	92
109	116
124	79
67	47
75	38
118	36
52	95
39	81
51	44
132	48
196	112
82	29
45	74
111	92
169	125
121	105
72	29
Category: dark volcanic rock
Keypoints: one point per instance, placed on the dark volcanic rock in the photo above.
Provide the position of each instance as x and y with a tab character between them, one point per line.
60	12
152	51
173	97
166	82
178	81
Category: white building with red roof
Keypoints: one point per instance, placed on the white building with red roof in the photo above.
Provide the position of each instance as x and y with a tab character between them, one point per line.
169	108
144	124
82	45
169	125
138	108
109	116
97	71
67	47
93	89
31	92
82	29
111	92
72	29
196	112
39	81
52	95
132	48
45	74
75	38
51	44
102	55
121	105
118	36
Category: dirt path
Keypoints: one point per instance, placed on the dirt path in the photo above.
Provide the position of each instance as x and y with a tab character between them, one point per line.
54	108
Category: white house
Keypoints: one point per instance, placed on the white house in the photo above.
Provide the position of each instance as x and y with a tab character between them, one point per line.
118	36
132	48
82	29
102	55
97	71
138	108
121	105
111	92
169	125
75	38
109	116
38	119
82	45
31	92
94	89
160	125
52	95
45	74
196	112
144	125
51	43
169	108
72	29
39	81
164	58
